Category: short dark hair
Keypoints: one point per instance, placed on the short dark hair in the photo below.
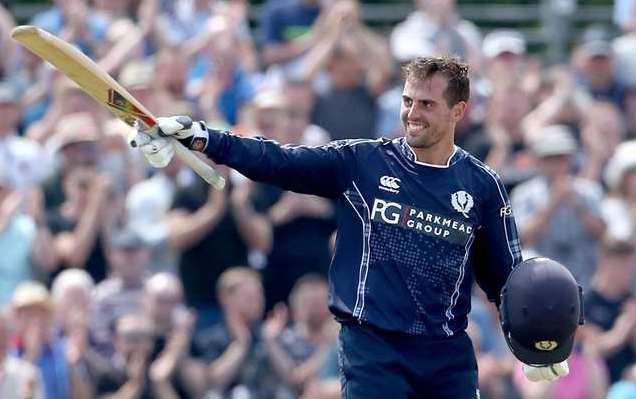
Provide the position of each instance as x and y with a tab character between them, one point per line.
455	72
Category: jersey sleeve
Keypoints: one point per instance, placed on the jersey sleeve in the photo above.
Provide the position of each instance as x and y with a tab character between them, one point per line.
497	249
322	170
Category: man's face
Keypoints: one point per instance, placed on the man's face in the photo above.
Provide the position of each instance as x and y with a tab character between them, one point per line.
426	117
247	300
131	263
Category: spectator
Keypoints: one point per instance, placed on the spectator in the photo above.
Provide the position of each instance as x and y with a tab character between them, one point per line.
121	293
502	144
505	58
358	64
618	208
289	29
559	214
171	365
435	28
74	21
23	160
36	343
128	376
24	242
602	129
19	379
233	350
594	62
77	224
217	79
297	353
74	144
610	309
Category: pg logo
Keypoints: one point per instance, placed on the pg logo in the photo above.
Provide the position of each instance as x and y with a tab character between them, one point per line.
388	212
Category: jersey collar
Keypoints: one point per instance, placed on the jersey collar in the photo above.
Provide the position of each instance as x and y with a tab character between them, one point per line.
408	152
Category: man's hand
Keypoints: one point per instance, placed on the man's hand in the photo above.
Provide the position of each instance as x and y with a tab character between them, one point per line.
549	372
159	150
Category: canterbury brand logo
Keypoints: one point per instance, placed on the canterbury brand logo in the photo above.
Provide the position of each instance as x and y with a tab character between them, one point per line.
390	184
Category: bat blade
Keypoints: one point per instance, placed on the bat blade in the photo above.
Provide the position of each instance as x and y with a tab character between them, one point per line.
103	88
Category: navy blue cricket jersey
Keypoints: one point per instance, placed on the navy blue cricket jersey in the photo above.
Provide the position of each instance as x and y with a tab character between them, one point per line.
412	237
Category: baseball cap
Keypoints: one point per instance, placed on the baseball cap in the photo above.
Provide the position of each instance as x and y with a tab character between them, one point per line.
554	140
126	239
622	161
31	293
75	128
503	41
137	75
541	308
597	48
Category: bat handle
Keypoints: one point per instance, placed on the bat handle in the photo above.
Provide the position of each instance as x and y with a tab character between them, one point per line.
201	168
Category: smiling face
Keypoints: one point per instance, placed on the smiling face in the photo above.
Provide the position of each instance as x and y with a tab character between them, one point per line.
427	119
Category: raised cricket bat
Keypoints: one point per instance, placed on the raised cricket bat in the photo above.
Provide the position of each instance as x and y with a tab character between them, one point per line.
103	88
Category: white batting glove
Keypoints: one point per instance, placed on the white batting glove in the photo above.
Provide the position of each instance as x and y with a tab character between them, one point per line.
157	151
193	135
549	372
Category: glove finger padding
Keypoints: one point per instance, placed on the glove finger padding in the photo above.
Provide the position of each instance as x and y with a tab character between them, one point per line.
179	127
193	135
158	152
546	373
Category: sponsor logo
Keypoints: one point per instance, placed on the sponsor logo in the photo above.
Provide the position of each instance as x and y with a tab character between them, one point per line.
546	346
505	211
429	223
390	184
198	144
462	202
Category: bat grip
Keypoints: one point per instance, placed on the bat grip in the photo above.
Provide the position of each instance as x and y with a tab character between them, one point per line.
201	168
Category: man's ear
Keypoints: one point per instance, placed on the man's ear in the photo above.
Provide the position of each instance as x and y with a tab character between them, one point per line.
458	110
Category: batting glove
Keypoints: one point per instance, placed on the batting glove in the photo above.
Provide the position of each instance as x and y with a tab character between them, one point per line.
549	372
193	135
157	151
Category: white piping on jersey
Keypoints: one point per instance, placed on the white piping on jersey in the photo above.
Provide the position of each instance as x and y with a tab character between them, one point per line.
366	249
432	165
503	201
458	283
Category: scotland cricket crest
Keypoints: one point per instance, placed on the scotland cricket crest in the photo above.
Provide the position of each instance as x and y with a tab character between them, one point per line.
462	202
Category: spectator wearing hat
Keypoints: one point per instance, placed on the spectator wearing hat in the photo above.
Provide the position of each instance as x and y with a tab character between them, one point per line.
20	379
36	342
559	214
121	293
74	143
593	61
506	62
619	207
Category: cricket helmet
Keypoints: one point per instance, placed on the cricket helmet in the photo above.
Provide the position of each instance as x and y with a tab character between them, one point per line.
541	308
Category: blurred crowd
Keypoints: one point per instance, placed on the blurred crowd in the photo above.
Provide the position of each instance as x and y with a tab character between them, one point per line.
118	281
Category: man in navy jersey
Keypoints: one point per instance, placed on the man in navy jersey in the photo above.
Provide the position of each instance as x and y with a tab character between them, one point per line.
420	219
